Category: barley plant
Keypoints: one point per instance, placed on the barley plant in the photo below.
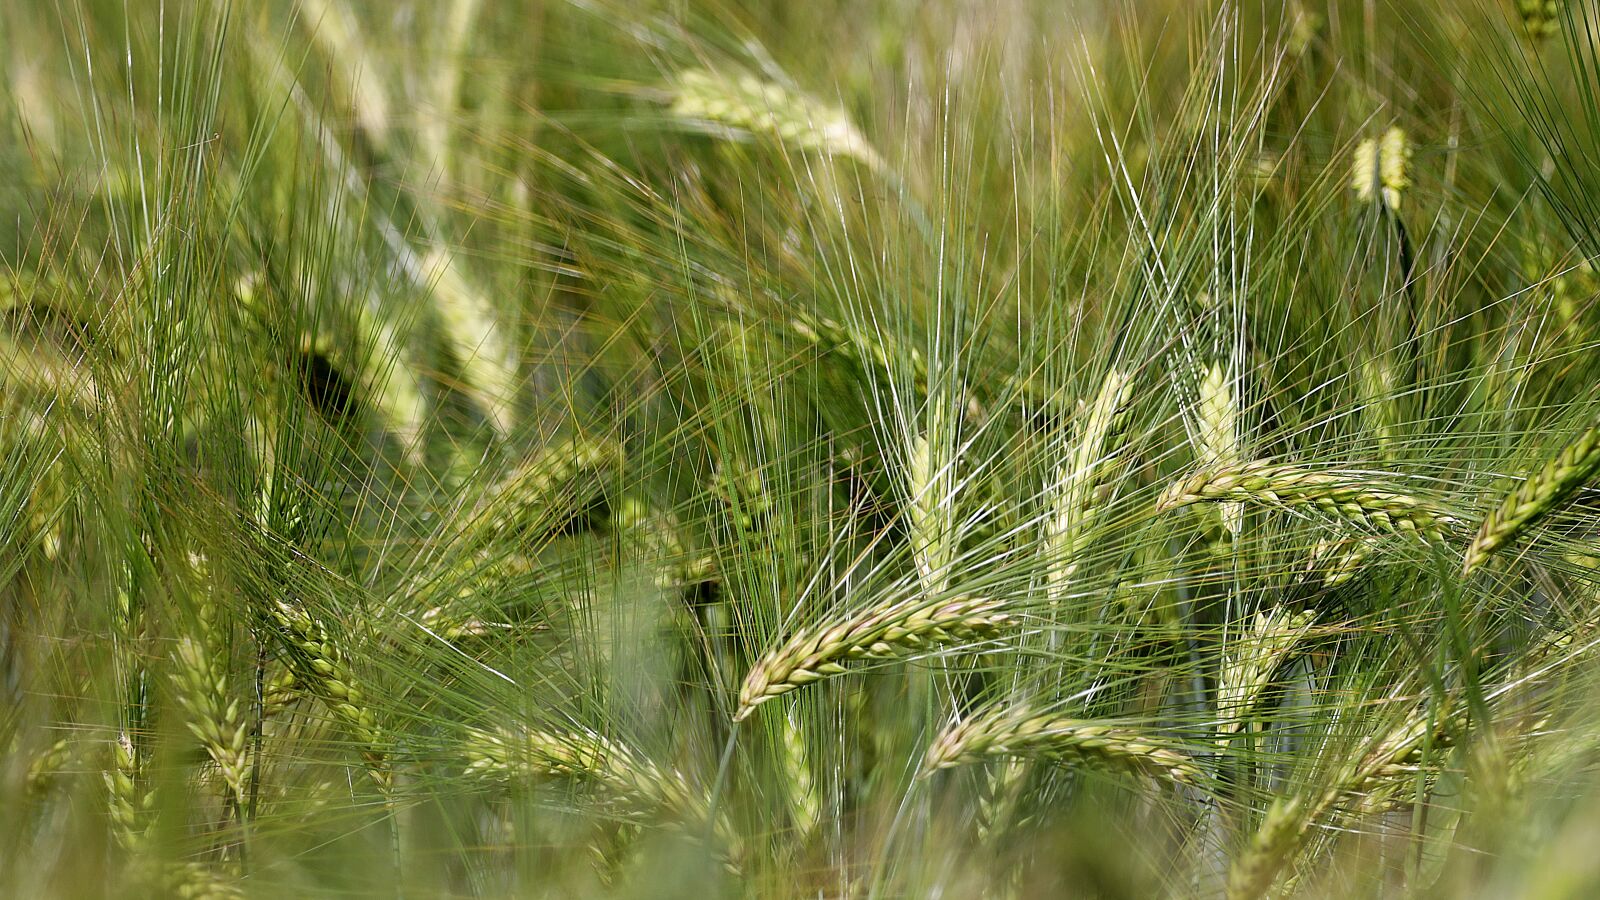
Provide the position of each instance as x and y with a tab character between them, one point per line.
698	448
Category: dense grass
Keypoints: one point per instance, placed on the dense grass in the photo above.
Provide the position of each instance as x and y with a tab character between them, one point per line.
883	449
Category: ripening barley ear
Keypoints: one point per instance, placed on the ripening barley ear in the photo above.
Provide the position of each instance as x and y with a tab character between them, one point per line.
1253	872
1539	495
200	680
1350	498
549	493
1090	465
1379	168
1251	660
912	625
1217	430
1026	733
1336	561
1541	19
746	103
322	666
131	802
1366	783
531	754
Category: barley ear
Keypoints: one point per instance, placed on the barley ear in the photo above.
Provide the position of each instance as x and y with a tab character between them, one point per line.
1350	498
901	628
1379	168
1024	733
1254	871
747	103
1539	495
325	670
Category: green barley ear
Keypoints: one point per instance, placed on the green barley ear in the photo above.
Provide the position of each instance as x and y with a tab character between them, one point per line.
1539	495
1253	659
744	102
1088	471
200	680
1336	561
131	802
912	625
1347	497
1379	385
930	488
44	767
1380	168
322	666
531	754
1025	733
1282	828
805	796
1541	19
1217	416
558	485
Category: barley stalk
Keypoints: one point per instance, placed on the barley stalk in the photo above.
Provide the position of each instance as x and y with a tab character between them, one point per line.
1024	733
1347	497
1537	496
908	626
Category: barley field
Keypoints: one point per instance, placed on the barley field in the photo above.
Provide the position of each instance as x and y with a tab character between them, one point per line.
831	449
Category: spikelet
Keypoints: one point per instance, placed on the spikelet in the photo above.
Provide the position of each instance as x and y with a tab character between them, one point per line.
1350	498
1537	496
746	103
1250	662
1025	733
1379	168
322	666
905	627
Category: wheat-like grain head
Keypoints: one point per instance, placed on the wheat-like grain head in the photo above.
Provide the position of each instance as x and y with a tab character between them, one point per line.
747	103
1025	733
1379	168
912	625
1347	497
1539	495
1251	660
323	667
